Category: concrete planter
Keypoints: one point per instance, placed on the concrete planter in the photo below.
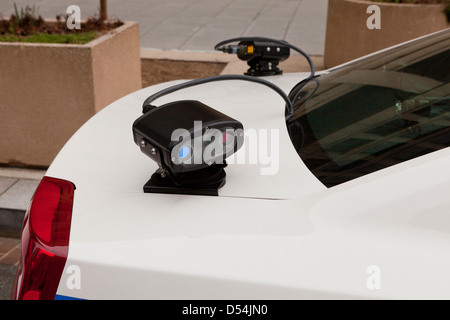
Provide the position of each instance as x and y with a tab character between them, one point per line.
47	91
348	37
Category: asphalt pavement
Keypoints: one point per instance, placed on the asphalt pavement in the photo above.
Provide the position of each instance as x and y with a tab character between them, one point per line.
7	273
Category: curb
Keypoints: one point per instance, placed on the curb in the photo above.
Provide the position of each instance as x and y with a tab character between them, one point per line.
295	63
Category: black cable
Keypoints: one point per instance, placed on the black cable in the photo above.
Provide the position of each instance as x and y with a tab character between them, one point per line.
263	39
147	103
289	104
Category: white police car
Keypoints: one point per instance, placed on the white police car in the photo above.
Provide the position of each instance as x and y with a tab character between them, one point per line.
344	196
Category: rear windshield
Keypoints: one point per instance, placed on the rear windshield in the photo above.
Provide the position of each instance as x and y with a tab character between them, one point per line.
376	112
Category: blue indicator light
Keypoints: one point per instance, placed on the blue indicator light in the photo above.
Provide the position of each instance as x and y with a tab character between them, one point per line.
184	152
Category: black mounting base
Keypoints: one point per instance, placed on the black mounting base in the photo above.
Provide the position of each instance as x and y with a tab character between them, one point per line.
201	182
259	73
262	68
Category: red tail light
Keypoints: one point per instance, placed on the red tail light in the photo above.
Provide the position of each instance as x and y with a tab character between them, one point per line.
45	241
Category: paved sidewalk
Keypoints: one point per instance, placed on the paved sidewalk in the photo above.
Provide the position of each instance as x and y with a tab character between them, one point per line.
200	24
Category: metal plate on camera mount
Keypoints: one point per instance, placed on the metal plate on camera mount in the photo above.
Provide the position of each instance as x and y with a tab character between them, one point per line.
206	182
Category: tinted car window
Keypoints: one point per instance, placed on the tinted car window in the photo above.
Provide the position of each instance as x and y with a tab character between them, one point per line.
376	112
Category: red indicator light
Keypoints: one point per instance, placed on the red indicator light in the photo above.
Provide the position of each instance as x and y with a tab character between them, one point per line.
45	241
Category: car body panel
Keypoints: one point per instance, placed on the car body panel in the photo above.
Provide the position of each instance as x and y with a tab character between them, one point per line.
280	236
104	145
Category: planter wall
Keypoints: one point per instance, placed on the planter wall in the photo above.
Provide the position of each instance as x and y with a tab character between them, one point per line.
347	35
47	91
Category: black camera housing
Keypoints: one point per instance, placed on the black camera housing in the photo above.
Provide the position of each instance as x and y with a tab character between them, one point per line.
262	57
153	133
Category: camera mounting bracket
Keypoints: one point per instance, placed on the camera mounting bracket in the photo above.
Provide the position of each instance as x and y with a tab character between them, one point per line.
206	181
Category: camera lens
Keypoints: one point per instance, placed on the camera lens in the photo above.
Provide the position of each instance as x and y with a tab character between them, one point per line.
184	152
